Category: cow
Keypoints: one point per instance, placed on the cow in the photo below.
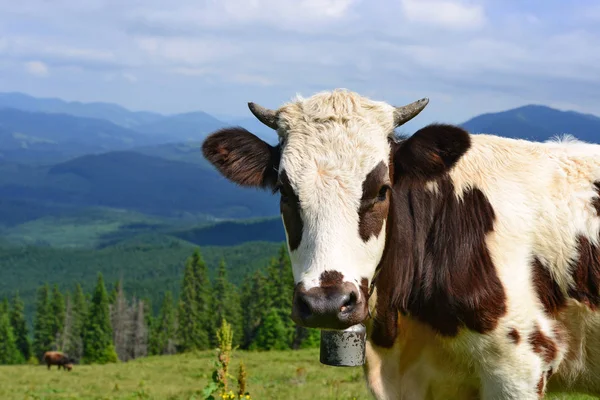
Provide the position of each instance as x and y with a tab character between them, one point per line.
59	359
472	259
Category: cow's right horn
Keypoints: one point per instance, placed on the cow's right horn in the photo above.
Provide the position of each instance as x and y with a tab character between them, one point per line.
406	113
264	115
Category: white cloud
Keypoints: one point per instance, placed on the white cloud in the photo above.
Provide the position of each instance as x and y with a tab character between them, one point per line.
467	55
187	71
36	68
129	77
253	79
188	50
126	76
444	13
298	15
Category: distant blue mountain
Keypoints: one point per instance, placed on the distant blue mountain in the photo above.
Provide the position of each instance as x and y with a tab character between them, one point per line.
39	137
133	181
111	112
538	123
192	126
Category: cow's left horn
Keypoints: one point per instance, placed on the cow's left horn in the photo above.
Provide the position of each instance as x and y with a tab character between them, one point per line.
406	113
264	115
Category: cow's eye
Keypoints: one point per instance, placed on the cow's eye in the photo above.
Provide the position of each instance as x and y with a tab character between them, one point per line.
284	198
383	193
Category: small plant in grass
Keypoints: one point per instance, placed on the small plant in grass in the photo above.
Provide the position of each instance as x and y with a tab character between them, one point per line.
219	388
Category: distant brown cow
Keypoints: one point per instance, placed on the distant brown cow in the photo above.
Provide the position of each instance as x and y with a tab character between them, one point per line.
59	359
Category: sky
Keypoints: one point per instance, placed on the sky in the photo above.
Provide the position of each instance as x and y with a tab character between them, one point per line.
469	57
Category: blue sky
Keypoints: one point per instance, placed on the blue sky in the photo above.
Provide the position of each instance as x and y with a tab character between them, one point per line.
467	56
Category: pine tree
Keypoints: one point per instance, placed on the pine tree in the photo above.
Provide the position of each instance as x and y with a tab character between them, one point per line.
78	316
65	335
194	306
256	303
271	334
163	338
19	326
97	334
9	353
42	325
226	305
4	306
121	323
139	331
203	292
306	338
114	292
275	294
57	314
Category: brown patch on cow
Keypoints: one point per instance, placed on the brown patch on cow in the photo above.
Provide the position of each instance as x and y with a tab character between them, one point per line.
560	334
242	157
548	291
586	274
513	334
375	201
331	278
596	201
436	266
540	387
543	345
290	210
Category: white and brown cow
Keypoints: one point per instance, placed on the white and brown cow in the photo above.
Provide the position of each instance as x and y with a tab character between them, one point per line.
484	251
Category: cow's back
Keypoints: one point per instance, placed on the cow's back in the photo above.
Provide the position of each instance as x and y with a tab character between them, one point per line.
545	246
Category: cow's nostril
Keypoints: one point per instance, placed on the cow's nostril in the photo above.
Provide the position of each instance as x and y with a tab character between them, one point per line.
349	303
303	307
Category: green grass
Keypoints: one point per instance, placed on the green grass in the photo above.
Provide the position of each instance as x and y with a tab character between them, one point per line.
271	375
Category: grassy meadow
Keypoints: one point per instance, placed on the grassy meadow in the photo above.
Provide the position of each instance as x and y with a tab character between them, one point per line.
271	375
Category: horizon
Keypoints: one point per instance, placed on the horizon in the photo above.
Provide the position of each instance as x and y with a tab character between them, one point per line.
469	57
229	118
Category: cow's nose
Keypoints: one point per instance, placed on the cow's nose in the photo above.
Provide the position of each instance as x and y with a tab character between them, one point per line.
333	307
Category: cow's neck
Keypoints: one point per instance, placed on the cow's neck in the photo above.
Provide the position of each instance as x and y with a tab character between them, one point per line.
436	267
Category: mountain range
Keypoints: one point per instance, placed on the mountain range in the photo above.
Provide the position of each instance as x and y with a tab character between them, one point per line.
46	130
537	123
58	158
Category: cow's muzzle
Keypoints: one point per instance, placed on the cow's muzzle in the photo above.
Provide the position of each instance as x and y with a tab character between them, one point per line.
330	307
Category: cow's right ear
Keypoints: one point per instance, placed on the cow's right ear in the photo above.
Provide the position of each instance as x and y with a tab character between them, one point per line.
242	157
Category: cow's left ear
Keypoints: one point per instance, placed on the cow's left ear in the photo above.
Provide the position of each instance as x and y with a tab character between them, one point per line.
242	157
431	151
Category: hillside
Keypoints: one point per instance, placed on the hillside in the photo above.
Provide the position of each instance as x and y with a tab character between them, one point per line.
107	111
149	265
538	123
229	233
137	182
42	138
98	227
189	152
193	126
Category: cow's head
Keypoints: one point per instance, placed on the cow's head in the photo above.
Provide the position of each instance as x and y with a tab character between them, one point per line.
331	168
